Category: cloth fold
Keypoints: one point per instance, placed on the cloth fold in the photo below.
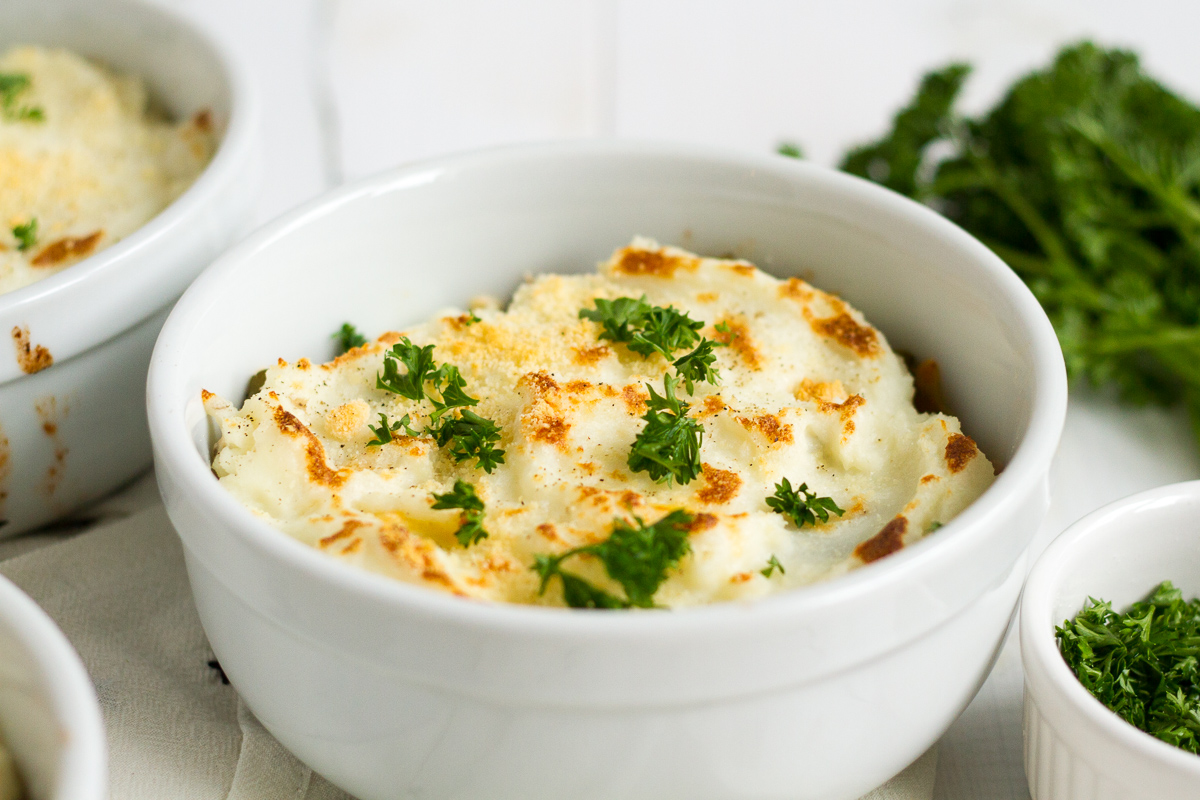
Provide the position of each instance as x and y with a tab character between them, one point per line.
176	729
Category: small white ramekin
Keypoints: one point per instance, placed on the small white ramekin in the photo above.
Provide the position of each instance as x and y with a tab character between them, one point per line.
395	691
49	718
1075	748
76	430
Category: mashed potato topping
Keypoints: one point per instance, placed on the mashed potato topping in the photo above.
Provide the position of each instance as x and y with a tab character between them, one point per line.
82	162
807	391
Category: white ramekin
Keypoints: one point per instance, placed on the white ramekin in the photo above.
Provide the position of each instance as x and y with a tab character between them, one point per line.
391	690
49	717
1075	748
76	430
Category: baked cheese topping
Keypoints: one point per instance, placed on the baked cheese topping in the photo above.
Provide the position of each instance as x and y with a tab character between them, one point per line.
83	163
806	390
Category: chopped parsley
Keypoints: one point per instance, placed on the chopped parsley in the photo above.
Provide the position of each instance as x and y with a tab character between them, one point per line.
790	149
668	447
472	318
772	565
384	432
638	558
348	338
463	496
1144	665
12	86
467	434
698	365
801	506
26	234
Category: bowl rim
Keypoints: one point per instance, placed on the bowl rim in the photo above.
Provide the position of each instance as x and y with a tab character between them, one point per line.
231	151
176	454
83	765
1039	648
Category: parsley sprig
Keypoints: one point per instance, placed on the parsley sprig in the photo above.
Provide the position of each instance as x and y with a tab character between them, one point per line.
646	329
668	447
385	433
26	234
12	86
348	338
1144	664
462	496
772	565
637	557
800	505
465	433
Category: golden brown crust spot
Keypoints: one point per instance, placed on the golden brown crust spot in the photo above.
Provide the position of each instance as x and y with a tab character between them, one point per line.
959	452
548	532
202	120
702	522
889	539
707	297
578	387
713	404
346	531
590	356
772	427
206	395
635	398
66	248
796	289
31	358
929	479
743	269
820	391
347	419
314	452
846	331
546	426
655	263
415	553
737	336
740	577
720	485
541	383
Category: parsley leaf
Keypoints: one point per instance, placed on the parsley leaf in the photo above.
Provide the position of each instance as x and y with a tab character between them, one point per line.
26	234
790	149
698	365
418	360
1085	178
773	565
638	558
668	447
1142	664
470	436
348	338
384	432
801	506
619	317
663	331
12	85
463	496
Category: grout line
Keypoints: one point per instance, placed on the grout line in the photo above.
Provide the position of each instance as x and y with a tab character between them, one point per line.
320	77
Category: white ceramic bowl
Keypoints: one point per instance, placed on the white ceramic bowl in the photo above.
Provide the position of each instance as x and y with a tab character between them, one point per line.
49	719
1075	748
76	430
392	690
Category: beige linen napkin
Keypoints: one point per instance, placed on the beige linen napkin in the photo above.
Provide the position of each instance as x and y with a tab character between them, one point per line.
175	729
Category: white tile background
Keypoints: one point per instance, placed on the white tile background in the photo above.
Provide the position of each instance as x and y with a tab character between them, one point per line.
354	86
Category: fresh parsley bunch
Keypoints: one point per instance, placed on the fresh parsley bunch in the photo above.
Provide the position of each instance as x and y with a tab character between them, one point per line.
463	496
636	556
1085	178
800	505
668	447
1143	664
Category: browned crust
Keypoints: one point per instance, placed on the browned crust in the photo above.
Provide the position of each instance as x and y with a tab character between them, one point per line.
929	478
202	120
737	336
548	532
541	383
745	270
546	426
66	248
927	388
740	577
713	404
314	452
720	485
31	358
846	331
796	289
414	552
635	398
772	427
656	263
346	531
702	522
889	539
590	356
959	452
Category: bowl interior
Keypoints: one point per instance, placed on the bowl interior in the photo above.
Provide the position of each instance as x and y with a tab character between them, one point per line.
181	71
1124	551
392	250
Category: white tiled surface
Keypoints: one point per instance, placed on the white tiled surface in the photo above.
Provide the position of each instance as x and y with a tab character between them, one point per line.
354	86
